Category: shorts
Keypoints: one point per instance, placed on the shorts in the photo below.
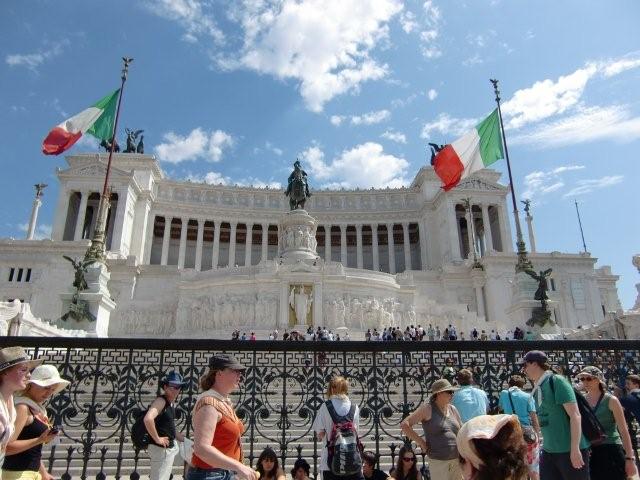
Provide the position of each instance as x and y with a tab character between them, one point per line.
533	456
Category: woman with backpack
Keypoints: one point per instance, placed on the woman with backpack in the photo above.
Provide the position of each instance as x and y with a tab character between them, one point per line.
339	417
440	421
217	449
609	460
407	465
160	423
267	466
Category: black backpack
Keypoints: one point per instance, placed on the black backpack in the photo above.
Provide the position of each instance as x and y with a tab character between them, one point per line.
592	429
343	445
140	438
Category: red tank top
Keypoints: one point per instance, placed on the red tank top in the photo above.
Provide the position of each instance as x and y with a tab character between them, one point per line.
229	429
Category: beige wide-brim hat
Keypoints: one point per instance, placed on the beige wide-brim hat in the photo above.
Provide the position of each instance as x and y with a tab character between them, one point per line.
11	356
47	375
442	385
482	427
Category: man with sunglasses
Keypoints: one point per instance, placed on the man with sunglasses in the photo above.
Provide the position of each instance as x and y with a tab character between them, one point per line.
161	425
565	451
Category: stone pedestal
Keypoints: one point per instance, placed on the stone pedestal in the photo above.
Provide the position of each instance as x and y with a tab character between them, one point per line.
95	299
523	305
298	237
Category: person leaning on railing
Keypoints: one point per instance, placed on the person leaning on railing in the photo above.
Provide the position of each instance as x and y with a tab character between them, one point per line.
15	365
33	429
217	450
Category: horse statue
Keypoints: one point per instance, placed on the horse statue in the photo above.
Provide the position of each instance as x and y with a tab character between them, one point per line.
132	136
298	187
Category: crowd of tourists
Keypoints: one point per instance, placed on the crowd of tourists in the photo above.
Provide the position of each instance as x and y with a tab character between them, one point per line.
410	333
558	431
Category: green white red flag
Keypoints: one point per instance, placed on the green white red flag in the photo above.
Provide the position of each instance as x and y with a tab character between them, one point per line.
474	151
96	120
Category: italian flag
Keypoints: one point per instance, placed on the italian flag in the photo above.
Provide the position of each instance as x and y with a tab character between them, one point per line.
96	120
473	151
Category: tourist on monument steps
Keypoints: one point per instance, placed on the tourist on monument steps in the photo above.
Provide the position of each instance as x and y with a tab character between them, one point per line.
565	451
440	421
301	470
32	426
492	448
614	458
15	365
160	422
469	400
267	466
217	449
406	467
369	470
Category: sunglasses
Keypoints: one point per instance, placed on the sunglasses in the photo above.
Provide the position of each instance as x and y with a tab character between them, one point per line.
409	459
586	379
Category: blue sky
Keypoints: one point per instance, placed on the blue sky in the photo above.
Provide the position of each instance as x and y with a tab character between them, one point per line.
234	91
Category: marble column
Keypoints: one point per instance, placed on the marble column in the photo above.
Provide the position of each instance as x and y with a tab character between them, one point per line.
121	239
470	233
82	213
343	245
532	237
407	246
392	249
148	239
265	242
507	244
248	245
199	243
327	243
183	242
454	239
422	233
360	261
374	247
166	239
486	226
215	255
232	244
62	210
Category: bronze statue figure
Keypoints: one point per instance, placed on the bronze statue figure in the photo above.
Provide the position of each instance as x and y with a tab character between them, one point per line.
540	315
297	187
78	309
527	205
107	145
435	149
80	268
140	146
131	139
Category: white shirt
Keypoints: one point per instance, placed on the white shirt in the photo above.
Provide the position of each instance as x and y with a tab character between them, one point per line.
323	423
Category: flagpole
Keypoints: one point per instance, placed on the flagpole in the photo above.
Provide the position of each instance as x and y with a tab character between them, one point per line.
523	262
96	251
584	245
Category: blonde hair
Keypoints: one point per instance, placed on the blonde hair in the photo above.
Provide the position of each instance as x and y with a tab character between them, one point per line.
338	385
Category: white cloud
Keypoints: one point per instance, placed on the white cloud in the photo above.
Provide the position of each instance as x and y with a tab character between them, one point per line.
448	126
325	45
272	148
428	38
197	144
42	231
546	98
408	22
33	60
216	178
588	186
394	136
587	125
369	118
475	59
539	183
615	67
432	94
364	166
192	15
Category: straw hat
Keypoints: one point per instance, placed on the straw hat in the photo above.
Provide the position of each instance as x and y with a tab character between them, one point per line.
483	427
47	375
442	385
11	356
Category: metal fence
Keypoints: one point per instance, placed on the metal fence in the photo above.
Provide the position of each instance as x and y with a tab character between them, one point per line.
283	387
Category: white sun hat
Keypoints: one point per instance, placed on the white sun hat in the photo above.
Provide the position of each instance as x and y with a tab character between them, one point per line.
47	375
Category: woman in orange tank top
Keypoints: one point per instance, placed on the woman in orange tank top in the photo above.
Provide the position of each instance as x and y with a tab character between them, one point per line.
217	450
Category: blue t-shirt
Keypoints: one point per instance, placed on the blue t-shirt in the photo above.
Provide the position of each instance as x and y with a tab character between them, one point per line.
522	401
470	402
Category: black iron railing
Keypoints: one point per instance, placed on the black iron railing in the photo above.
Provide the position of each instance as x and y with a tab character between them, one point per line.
284	385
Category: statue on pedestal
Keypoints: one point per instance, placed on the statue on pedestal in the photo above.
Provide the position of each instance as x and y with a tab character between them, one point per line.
301	304
541	315
297	187
79	309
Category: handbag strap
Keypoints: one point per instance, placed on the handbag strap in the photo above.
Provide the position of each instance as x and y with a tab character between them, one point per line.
513	408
